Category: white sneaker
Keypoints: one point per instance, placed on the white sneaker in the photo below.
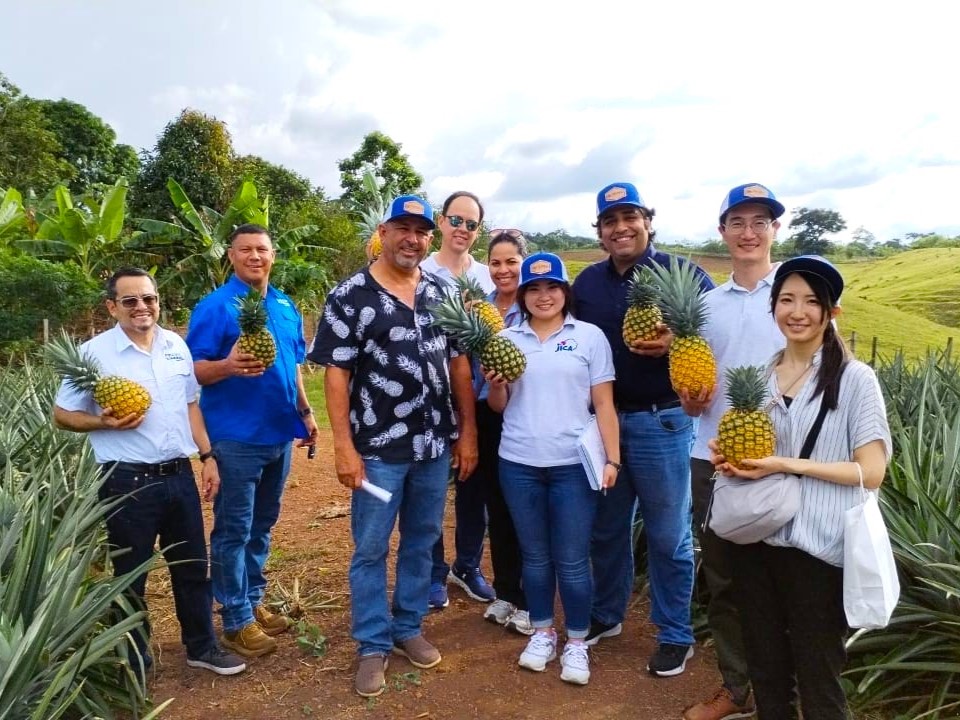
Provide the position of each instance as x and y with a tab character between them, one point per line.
519	622
575	662
499	611
541	649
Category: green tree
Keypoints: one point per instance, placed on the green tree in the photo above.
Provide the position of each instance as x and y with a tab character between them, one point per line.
381	156
197	152
811	225
29	149
284	187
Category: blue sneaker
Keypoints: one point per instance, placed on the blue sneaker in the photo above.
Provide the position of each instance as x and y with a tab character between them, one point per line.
438	596
473	583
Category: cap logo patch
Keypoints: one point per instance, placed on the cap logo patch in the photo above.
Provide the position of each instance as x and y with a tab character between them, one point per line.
755	191
540	267
614	194
412	206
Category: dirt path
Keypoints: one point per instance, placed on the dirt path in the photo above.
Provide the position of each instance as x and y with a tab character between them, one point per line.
478	677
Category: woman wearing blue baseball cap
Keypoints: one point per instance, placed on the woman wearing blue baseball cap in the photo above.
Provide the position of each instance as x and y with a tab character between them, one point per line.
789	587
545	411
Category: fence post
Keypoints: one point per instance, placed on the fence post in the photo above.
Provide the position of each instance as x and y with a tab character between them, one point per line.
853	342
46	331
873	351
949	350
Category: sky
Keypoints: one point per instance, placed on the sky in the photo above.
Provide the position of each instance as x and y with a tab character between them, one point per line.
535	106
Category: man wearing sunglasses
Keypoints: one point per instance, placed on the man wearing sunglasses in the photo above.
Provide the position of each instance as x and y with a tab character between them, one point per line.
148	454
254	413
655	436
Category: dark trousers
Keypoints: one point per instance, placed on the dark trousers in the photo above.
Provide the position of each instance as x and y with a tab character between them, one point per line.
716	564
168	507
794	629
481	491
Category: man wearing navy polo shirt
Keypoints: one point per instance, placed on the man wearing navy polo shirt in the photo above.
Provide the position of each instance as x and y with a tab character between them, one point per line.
655	437
253	413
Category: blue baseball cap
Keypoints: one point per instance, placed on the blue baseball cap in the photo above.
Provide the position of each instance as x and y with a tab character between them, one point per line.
814	265
543	266
620	193
751	193
410	206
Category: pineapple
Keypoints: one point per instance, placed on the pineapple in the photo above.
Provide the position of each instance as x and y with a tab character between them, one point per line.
472	293
371	214
692	365
643	314
82	372
494	352
254	336
745	430
374	247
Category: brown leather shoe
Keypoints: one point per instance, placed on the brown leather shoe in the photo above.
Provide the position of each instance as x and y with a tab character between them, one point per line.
721	706
418	651
371	680
249	641
272	623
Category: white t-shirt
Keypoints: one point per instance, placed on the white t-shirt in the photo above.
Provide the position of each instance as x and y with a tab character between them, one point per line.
549	404
741	331
476	270
167	374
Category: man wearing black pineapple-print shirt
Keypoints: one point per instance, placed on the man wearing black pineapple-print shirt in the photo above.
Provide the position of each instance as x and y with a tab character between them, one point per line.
401	409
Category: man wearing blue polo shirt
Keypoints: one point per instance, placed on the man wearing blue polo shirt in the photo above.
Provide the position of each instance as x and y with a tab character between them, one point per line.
252	414
655	437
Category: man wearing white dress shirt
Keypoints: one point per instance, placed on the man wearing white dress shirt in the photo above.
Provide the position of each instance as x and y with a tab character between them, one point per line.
148	456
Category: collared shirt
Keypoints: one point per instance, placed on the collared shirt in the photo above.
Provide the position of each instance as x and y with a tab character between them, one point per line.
256	410
511	318
167	374
401	401
476	270
600	293
549	404
860	418
741	331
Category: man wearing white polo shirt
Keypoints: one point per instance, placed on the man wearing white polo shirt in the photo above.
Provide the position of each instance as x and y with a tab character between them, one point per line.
741	331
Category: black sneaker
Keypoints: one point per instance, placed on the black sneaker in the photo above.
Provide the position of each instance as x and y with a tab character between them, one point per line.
669	660
600	630
219	661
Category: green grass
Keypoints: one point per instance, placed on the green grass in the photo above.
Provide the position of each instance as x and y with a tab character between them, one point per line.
313	382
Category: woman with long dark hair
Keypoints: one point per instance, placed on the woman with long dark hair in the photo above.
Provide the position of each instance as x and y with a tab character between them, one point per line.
790	586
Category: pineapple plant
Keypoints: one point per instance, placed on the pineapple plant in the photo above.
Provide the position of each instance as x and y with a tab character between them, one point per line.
372	213
643	314
83	372
494	352
692	365
472	293
254	336
745	430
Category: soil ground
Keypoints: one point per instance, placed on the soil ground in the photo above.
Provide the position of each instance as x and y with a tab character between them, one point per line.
478	678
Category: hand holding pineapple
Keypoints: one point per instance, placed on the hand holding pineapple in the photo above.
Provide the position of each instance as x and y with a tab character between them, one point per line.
745	439
255	349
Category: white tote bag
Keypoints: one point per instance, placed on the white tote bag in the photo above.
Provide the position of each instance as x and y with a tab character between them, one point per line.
871	588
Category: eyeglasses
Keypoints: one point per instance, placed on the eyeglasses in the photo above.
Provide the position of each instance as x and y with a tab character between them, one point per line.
131	301
738	227
509	232
456	221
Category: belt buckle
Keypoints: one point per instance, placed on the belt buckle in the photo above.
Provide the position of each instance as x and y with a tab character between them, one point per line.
167	468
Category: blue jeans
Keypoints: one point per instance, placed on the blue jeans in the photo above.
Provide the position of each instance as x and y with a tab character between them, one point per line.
168	507
655	451
553	510
244	512
419	491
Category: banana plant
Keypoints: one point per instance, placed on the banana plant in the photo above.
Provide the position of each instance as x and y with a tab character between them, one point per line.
12	215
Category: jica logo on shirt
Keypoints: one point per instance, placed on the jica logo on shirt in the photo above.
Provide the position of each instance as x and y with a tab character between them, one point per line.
566	346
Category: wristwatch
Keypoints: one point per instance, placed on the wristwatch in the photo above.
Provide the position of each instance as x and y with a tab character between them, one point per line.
615	464
207	455
306	412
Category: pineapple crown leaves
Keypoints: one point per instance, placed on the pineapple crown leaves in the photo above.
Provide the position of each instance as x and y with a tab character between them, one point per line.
451	316
469	288
680	296
252	315
642	288
746	387
81	371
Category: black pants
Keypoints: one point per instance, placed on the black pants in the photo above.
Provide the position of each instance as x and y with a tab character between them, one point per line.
794	627
168	507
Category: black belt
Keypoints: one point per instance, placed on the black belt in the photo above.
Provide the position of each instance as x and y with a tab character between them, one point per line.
648	407
170	467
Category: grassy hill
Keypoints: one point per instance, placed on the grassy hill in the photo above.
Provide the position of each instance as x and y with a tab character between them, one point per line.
910	300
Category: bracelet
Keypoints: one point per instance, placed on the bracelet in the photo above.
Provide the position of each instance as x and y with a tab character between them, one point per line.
617	465
207	455
306	412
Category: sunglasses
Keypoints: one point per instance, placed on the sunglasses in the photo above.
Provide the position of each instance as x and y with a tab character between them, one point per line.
456	221
131	301
509	232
